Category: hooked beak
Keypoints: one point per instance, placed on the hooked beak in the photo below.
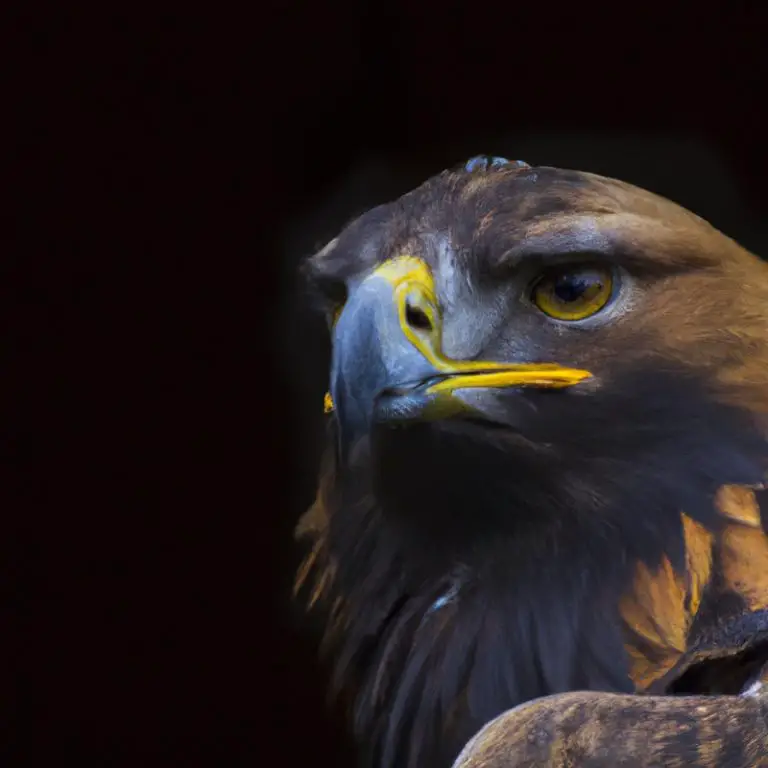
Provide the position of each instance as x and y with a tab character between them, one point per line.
387	363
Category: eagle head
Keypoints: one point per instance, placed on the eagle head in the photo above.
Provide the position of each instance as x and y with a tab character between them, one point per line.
534	371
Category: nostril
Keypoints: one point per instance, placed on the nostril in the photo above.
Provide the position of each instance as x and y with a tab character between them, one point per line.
417	318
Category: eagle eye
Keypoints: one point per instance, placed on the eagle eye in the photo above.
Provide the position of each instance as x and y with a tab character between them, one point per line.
571	293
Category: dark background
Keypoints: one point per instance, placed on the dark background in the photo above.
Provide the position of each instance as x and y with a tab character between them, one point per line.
174	166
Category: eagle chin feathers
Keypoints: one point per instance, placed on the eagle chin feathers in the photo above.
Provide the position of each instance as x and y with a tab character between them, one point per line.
444	555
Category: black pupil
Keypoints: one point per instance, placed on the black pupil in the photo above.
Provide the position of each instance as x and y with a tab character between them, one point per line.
572	287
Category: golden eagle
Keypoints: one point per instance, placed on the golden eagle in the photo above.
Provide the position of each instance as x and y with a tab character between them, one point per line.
539	513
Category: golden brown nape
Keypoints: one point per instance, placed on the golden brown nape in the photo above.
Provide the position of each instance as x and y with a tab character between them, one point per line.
547	421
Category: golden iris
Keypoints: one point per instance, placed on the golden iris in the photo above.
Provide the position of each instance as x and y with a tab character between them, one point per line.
573	293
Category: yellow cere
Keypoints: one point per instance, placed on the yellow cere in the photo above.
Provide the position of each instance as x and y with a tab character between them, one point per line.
414	287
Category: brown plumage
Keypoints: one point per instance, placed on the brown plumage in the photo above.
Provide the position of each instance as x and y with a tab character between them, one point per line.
590	516
599	729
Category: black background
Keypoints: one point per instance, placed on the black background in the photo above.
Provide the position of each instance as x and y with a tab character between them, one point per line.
173	167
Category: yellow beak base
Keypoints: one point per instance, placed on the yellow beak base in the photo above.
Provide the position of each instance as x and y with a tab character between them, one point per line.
412	287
